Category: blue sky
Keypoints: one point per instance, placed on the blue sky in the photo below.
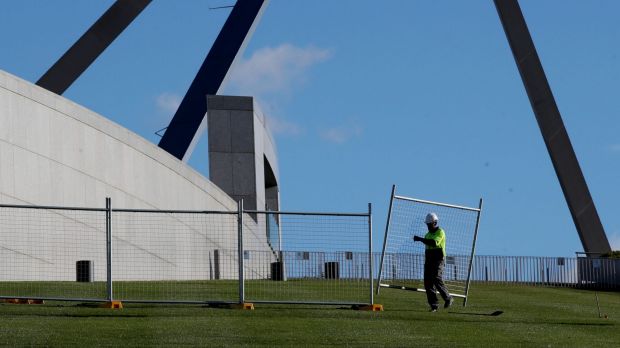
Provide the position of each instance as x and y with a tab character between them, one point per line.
365	94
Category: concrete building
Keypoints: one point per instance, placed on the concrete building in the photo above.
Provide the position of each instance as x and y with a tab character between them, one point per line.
55	152
242	155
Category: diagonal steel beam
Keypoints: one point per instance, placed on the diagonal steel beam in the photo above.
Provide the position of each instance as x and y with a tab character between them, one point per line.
88	47
186	125
551	126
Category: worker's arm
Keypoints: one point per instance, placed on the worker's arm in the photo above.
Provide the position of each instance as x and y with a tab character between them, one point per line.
429	242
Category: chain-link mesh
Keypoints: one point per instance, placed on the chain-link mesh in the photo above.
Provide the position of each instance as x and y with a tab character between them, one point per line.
183	256
175	256
52	253
403	259
317	258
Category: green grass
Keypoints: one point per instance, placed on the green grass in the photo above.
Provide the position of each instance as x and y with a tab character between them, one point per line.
539	317
311	290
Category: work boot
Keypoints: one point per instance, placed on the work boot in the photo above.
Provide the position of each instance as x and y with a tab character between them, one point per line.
448	303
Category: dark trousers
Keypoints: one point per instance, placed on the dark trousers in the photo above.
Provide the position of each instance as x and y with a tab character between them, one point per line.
433	273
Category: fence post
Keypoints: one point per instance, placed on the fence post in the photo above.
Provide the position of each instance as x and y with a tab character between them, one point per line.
387	228
240	250
517	261
108	237
473	250
370	260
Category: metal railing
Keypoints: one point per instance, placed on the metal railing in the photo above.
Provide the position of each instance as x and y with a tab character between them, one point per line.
575	272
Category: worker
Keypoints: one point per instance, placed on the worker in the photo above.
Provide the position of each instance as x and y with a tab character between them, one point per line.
434	262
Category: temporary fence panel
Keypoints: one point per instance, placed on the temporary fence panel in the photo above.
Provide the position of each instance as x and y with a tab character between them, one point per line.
94	254
175	256
52	253
402	259
318	258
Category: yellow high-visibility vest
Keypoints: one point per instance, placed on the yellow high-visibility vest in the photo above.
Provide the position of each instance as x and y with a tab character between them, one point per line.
439	237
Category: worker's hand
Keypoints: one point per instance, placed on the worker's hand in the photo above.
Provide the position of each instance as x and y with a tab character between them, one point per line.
417	239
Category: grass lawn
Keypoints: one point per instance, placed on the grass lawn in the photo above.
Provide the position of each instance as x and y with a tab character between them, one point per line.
549	317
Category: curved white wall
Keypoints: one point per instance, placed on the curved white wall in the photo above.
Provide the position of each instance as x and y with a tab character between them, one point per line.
55	152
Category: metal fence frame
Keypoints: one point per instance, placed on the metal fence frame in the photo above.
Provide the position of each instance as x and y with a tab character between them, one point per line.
238	213
588	272
110	296
105	211
471	255
369	258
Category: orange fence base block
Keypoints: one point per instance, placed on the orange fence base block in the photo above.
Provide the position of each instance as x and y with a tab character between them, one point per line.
113	305
245	306
372	307
23	301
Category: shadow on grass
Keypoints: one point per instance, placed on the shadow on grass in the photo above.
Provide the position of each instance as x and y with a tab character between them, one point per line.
584	324
493	314
84	315
537	322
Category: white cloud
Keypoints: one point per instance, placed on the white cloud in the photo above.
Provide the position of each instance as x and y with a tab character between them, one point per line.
277	125
267	74
275	69
168	103
342	134
271	73
280	126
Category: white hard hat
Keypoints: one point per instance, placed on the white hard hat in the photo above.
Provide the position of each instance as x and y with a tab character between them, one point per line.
430	218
